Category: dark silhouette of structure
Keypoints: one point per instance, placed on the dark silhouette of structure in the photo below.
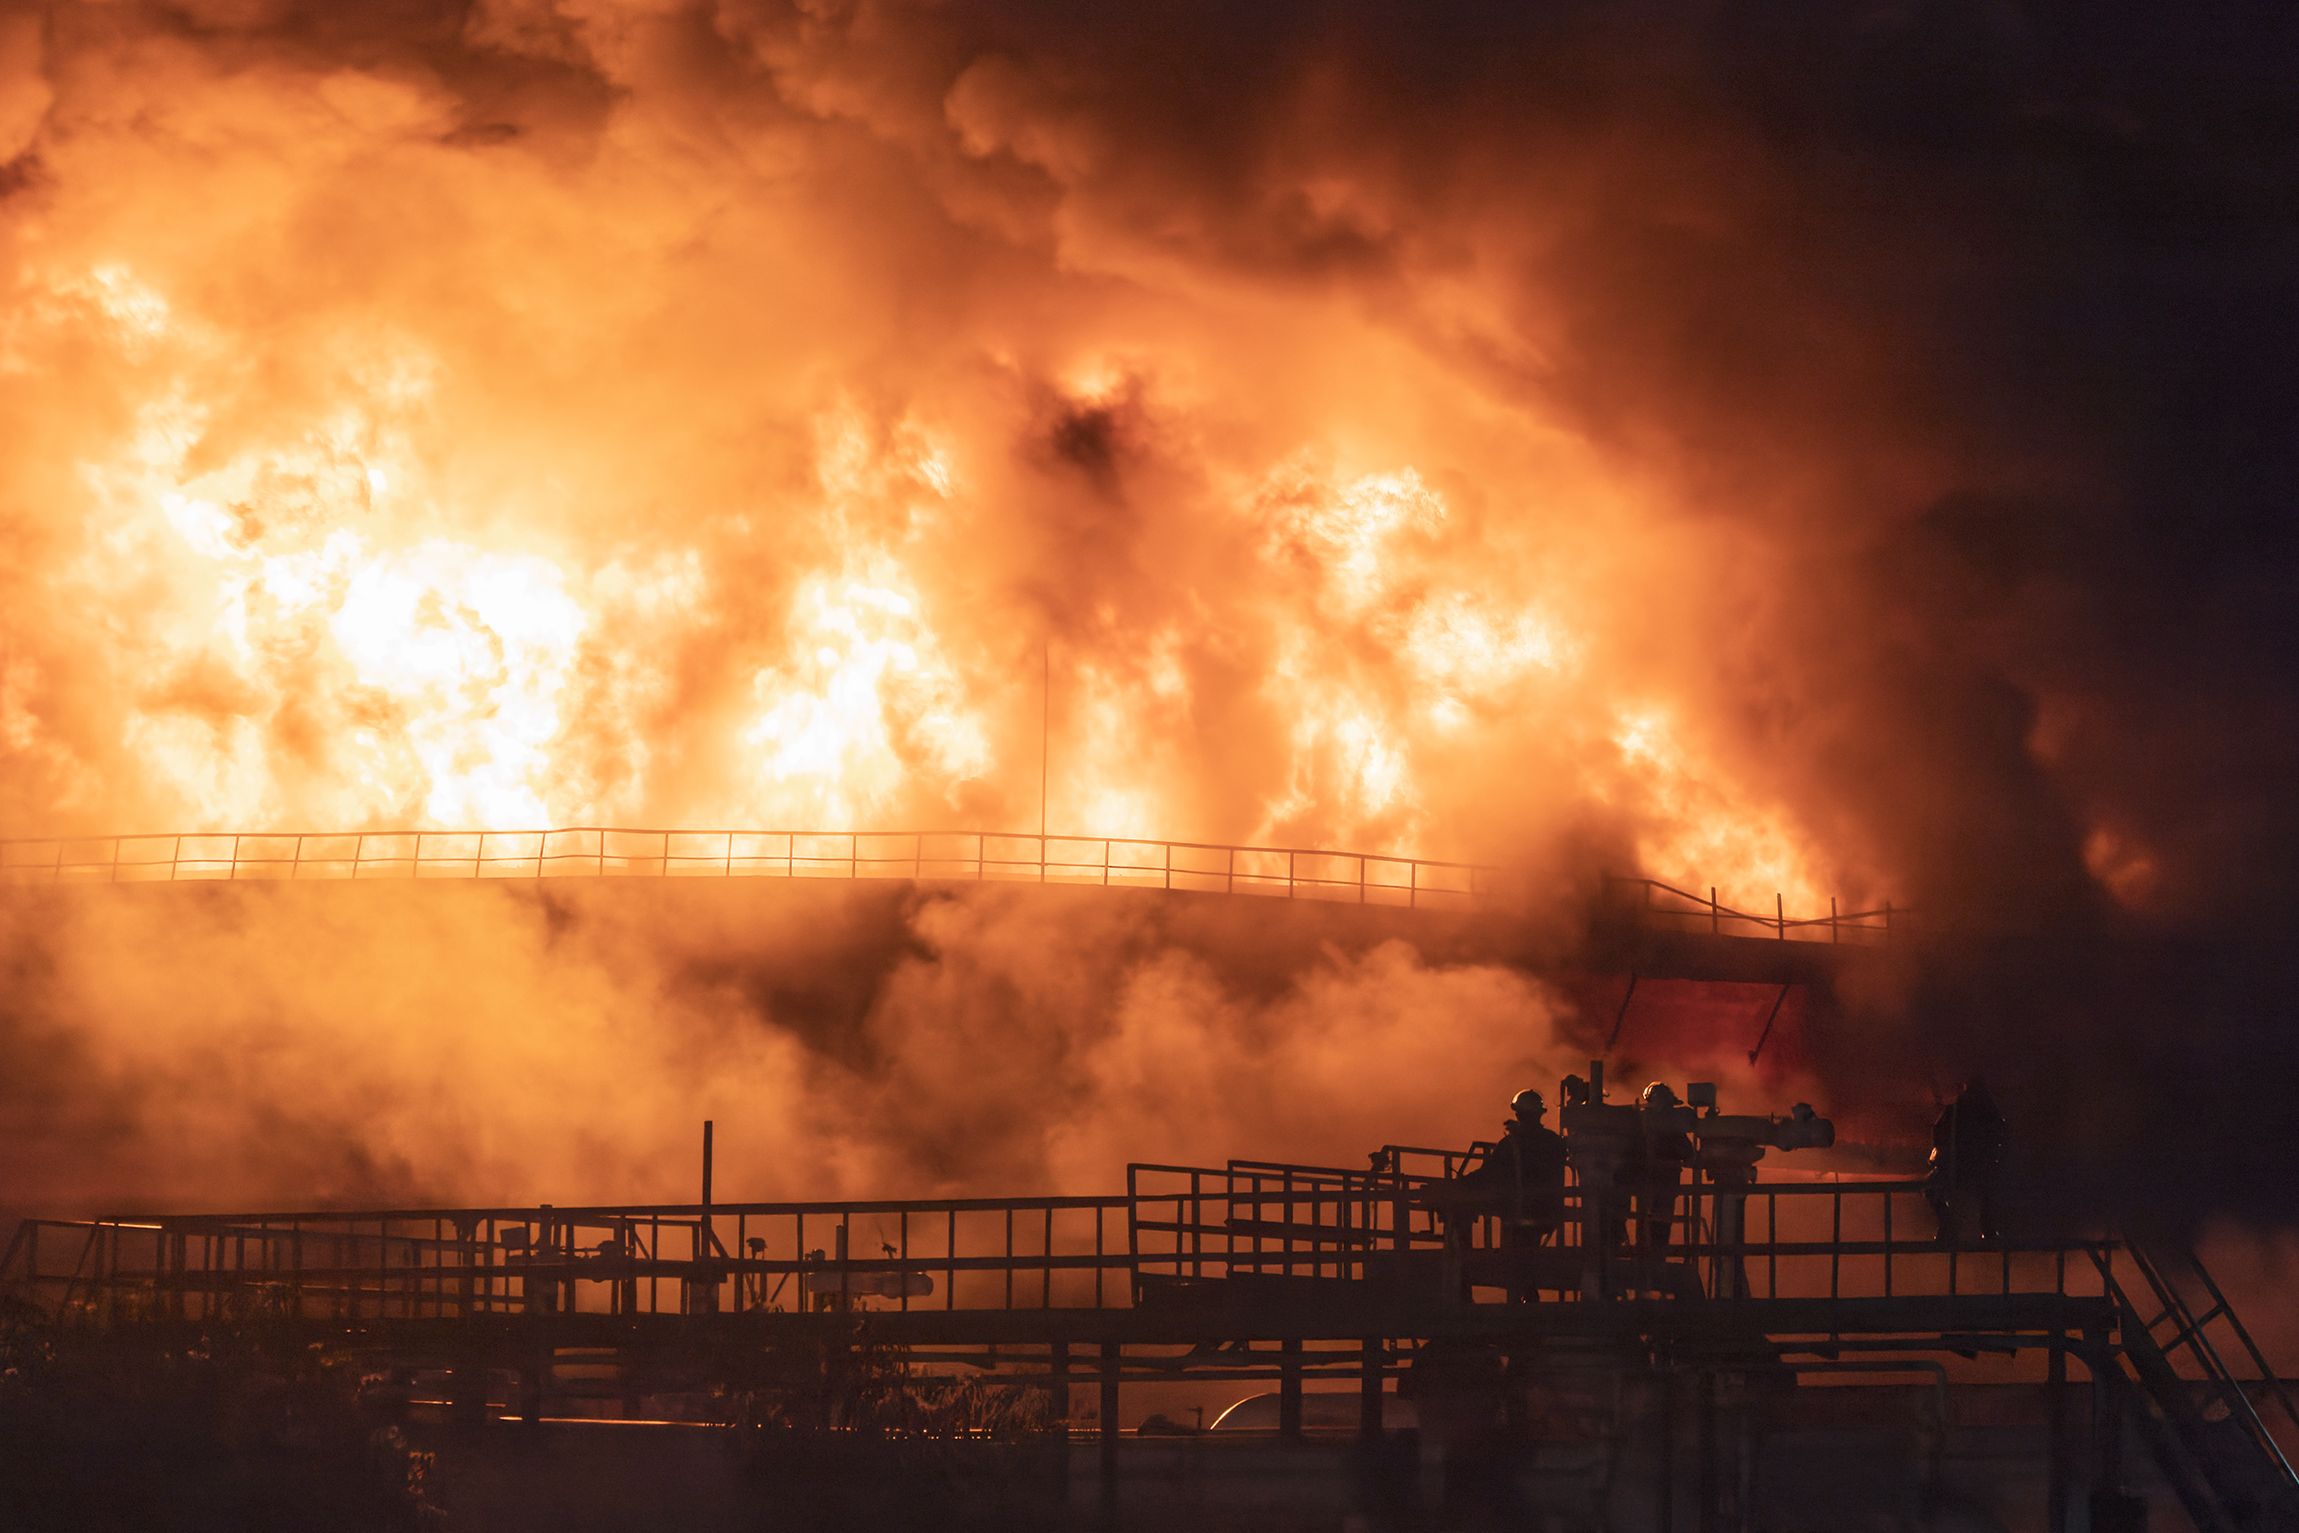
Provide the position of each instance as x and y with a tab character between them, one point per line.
1650	1382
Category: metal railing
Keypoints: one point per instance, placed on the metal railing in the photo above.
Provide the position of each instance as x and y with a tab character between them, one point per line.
1360	878
1820	1239
603	851
1650	902
1246	1220
411	1264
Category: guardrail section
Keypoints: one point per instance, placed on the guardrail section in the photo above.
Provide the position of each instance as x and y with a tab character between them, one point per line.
605	852
946	1254
1358	878
1396	1228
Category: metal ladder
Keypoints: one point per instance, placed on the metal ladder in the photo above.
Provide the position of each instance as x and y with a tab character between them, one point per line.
2198	1417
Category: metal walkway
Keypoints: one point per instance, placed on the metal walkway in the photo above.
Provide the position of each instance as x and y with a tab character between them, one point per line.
1247	1249
1248	1271
1359	878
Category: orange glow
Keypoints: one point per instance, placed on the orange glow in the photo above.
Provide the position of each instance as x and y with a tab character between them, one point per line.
543	413
1691	823
344	615
672	464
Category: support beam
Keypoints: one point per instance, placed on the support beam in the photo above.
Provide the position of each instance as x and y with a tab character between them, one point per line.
534	1383
1664	1491
1770	1017
702	1287
1112	1355
1369	1390
2055	1405
1620	1017
467	1390
1058	1392
1289	1390
2106	1416
1705	1428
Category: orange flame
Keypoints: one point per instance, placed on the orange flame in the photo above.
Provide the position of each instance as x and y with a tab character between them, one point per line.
464	512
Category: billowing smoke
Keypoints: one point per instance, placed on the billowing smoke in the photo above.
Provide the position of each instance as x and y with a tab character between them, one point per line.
377	1044
510	415
1815	449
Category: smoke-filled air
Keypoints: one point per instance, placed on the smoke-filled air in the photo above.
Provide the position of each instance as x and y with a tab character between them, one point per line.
1576	439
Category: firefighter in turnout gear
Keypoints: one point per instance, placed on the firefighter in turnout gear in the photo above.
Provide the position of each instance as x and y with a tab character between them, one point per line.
1520	1184
1968	1145
1525	1174
1656	1173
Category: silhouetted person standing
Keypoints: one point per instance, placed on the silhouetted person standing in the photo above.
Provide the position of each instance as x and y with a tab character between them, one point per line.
1968	1145
1522	1183
1657	1173
1527	1171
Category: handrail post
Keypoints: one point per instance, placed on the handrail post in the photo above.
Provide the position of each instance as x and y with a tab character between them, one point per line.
1112	1353
294	872
1887	1245
479	855
730	854
1780	913
1289	874
1715	916
1361	878
234	875
1105	862
1169	864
